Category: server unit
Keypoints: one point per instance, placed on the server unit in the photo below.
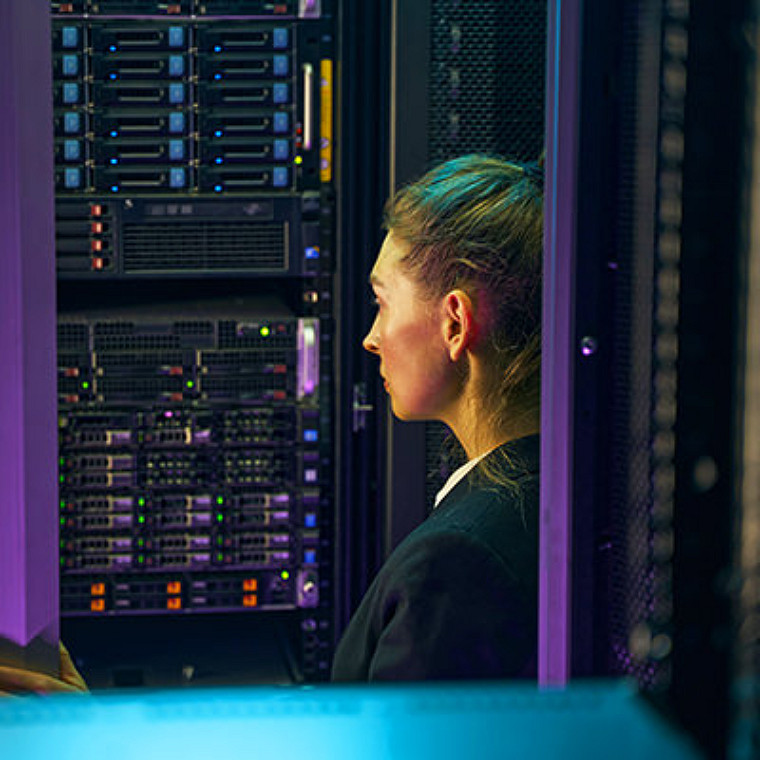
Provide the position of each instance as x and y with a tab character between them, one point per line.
194	229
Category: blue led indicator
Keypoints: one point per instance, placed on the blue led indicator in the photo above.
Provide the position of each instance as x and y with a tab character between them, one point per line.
281	150
309	557
114	188
281	122
176	65
279	39
280	176
310	436
114	133
280	93
177	178
176	36
114	161
71	123
73	178
311	253
217	188
112	48
176	93
176	150
218	160
176	122
70	65
112	76
218	133
69	36
280	65
217	76
217	48
310	520
72	150
70	93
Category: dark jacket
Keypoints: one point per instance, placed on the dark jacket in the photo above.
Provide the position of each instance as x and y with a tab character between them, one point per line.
458	598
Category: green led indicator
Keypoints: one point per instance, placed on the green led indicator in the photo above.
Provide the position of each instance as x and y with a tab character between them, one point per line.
219	557
264	331
85	385
63	504
190	384
141	559
219	518
220	500
62	461
63	521
141	502
62	478
141	519
219	540
62	561
285	575
141	542
62	543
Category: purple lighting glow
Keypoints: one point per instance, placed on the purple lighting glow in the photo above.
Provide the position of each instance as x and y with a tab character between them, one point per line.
28	425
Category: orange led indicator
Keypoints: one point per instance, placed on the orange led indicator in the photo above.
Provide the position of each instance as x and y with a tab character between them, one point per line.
96	210
250	584
175	371
175	603
96	245
97	605
97	263
98	589
250	600
174	587
97	228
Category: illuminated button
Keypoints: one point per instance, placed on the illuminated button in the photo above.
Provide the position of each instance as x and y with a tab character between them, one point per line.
72	178
174	587
281	122
176	36
70	65
250	584
176	93
72	123
69	36
310	436
279	39
176	150
176	123
312	254
98	589
280	93
72	150
310	476
310	520
280	65
250	600
71	92
309	556
175	603
177	178
97	605
176	65
280	176
281	150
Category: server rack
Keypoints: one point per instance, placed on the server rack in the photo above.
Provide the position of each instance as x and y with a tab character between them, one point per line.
195	213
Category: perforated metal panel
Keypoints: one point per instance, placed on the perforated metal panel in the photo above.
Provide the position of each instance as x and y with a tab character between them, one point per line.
487	78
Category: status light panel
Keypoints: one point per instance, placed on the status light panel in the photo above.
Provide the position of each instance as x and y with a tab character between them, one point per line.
190	468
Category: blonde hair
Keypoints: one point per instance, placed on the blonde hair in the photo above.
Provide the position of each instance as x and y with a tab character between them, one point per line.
475	223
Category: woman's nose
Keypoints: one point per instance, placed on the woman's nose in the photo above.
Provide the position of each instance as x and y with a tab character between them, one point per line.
370	342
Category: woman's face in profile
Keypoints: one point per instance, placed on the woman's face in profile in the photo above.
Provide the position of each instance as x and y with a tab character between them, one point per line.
408	336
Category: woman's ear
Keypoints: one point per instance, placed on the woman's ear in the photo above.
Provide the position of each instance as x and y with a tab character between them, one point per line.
460	327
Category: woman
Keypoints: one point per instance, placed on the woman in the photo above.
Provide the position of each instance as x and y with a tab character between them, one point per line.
458	285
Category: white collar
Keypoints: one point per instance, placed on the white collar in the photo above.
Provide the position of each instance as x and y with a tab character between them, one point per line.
454	478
